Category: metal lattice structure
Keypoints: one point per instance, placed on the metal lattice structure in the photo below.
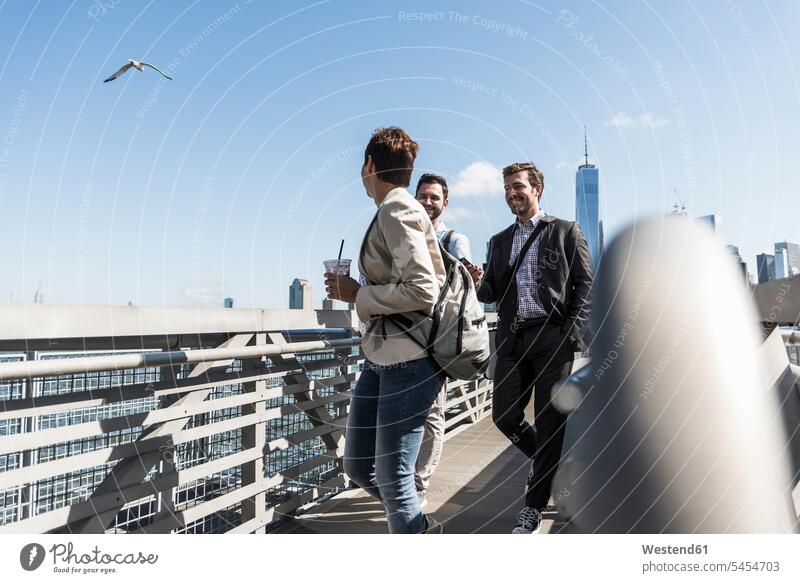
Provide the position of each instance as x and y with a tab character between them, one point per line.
218	421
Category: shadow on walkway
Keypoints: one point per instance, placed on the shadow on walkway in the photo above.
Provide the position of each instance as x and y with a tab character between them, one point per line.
478	488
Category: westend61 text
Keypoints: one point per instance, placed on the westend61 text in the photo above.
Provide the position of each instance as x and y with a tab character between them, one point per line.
673	550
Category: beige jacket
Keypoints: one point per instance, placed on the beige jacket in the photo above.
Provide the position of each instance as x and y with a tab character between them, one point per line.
401	261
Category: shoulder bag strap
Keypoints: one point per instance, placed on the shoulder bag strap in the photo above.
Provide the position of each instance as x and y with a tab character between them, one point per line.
522	252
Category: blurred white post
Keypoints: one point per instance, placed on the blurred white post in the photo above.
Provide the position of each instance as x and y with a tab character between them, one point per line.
682	434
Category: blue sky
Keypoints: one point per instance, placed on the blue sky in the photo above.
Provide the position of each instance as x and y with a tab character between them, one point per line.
243	172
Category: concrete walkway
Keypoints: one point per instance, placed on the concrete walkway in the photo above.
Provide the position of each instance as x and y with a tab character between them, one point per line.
478	488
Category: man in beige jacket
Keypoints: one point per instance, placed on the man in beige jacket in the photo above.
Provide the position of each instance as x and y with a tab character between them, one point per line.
404	271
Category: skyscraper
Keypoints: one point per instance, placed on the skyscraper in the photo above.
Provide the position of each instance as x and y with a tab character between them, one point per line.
734	251
300	295
712	221
587	202
38	297
765	265
781	263
792	254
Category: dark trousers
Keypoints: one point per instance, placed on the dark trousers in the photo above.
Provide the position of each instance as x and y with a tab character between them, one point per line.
540	358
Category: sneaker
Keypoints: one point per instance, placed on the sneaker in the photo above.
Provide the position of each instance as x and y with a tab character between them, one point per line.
528	521
422	498
432	526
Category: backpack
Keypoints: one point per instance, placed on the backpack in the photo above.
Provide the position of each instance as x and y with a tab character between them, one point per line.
456	334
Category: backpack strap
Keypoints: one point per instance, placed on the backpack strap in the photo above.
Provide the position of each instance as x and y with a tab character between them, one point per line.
404	324
446	240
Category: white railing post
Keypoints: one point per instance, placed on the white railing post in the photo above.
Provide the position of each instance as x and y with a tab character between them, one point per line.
30	388
166	498
254	436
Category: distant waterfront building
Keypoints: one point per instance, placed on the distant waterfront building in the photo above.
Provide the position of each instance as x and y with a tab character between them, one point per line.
791	252
781	263
300	295
765	266
38	297
228	302
734	250
587	202
679	211
711	221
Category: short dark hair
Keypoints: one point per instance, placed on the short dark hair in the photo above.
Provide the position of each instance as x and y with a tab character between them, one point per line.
393	152
433	179
535	176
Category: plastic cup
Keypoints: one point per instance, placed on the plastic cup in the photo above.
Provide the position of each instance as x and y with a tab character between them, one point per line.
338	266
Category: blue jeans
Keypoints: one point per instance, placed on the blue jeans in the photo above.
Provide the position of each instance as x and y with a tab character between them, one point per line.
384	432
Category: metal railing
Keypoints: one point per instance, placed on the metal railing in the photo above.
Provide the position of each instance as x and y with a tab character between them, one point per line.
153	424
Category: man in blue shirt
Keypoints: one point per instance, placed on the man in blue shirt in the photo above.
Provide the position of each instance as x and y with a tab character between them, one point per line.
432	195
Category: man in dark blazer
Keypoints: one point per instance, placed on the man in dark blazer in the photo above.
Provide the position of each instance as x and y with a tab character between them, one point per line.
542	316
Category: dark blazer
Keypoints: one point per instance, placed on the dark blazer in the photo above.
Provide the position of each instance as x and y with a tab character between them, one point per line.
565	280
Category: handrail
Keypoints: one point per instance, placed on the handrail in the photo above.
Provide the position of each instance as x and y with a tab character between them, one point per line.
266	427
791	337
43	368
682	433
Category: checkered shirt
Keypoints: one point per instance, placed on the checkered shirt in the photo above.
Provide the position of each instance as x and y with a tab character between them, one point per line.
528	303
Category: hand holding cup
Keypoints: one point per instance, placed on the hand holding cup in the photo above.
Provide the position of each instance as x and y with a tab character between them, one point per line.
338	283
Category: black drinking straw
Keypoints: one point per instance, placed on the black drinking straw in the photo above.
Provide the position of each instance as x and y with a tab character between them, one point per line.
340	252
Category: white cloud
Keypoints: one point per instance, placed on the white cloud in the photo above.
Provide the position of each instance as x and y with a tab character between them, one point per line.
207	294
478	179
625	122
653	121
458	213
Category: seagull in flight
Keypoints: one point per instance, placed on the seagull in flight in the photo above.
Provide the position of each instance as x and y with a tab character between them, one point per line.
138	65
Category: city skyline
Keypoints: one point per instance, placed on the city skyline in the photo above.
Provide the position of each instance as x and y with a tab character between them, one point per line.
243	173
587	192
